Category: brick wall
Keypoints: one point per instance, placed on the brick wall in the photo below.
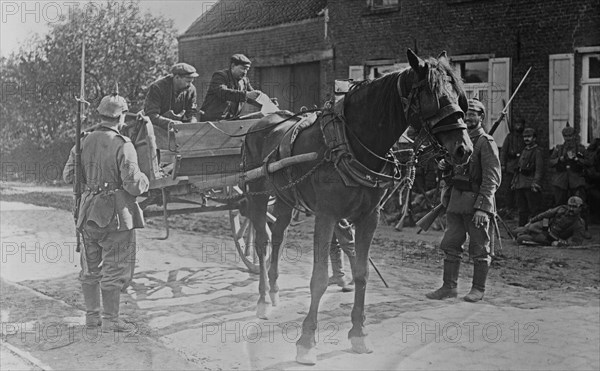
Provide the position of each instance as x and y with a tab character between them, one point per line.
267	45
526	31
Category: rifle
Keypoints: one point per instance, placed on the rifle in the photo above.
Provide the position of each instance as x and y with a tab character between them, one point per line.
503	113
81	102
426	221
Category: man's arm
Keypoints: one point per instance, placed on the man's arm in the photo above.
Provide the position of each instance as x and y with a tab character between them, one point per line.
218	84
152	107
135	182
555	157
504	152
69	170
490	176
548	214
190	105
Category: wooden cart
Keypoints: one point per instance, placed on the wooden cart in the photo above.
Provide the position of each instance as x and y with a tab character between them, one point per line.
199	170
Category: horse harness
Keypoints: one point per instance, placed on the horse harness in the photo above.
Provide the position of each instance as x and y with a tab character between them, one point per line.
421	107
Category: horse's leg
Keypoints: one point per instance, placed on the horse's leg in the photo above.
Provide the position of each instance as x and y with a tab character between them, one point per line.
283	213
257	208
305	347
365	229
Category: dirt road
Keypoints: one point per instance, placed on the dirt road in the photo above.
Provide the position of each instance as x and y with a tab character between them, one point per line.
194	303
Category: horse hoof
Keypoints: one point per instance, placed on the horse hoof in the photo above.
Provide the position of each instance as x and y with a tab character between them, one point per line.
359	345
274	298
306	356
263	310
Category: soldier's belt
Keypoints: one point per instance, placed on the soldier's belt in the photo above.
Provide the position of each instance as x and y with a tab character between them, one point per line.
98	188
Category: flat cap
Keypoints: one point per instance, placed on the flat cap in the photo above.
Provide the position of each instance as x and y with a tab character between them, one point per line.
112	106
529	132
476	105
184	69
575	201
240	59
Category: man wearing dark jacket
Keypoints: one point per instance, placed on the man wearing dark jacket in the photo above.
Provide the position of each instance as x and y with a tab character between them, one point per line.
528	178
228	90
470	207
564	226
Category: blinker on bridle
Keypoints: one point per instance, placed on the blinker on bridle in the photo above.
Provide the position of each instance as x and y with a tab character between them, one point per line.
422	110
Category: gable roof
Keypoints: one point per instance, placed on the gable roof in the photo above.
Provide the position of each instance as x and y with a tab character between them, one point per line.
237	15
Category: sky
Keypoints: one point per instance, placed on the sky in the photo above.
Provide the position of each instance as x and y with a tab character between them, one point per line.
20	19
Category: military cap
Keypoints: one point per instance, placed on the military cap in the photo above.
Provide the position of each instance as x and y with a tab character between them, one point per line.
575	201
476	105
112	106
184	69
529	131
568	130
238	59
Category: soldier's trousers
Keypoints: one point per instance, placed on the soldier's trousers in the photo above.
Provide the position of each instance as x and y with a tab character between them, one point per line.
457	227
342	240
530	204
116	252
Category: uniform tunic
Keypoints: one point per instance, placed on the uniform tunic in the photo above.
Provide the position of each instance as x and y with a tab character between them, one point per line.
568	179
108	211
530	170
473	188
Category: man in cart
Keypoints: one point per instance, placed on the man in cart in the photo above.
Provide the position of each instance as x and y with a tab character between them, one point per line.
229	89
172	99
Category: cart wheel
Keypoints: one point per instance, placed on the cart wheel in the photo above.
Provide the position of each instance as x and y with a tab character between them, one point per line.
244	235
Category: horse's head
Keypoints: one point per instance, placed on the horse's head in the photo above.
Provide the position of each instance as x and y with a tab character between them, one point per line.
436	104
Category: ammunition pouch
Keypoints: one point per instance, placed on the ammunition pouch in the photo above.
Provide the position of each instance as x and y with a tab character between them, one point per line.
526	171
462	183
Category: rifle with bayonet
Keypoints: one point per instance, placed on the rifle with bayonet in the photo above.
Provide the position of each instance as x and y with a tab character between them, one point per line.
77	179
505	109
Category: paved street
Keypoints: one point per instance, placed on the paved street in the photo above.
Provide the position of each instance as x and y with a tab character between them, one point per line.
194	304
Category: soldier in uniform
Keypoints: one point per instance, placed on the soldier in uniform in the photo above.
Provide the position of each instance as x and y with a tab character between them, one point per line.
560	226
108	214
470	205
342	240
528	178
228	90
509	158
569	163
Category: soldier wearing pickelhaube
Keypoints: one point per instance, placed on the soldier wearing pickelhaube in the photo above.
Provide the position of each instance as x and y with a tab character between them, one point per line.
470	207
569	162
108	214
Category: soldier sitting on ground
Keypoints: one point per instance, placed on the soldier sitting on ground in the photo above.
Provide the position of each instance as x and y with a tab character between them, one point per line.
560	226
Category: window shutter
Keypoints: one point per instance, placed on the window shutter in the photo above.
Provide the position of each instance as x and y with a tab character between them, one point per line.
498	94
561	96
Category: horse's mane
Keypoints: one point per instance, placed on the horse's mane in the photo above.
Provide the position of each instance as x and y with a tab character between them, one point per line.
385	95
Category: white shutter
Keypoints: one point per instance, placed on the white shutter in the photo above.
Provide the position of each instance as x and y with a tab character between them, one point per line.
356	73
560	96
498	94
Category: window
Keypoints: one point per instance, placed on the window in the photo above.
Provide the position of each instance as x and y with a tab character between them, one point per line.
382	4
561	97
590	98
487	79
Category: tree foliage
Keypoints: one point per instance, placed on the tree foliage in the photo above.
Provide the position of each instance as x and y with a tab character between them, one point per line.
39	85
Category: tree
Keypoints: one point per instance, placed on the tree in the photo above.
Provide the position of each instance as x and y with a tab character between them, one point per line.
39	86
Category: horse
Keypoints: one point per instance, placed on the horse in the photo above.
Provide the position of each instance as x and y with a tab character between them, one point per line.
372	116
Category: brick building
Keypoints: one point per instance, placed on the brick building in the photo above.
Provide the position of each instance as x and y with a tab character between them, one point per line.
291	59
300	47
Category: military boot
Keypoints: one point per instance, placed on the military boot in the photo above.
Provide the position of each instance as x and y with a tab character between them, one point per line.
349	287
480	272
91	298
110	314
448	289
337	268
